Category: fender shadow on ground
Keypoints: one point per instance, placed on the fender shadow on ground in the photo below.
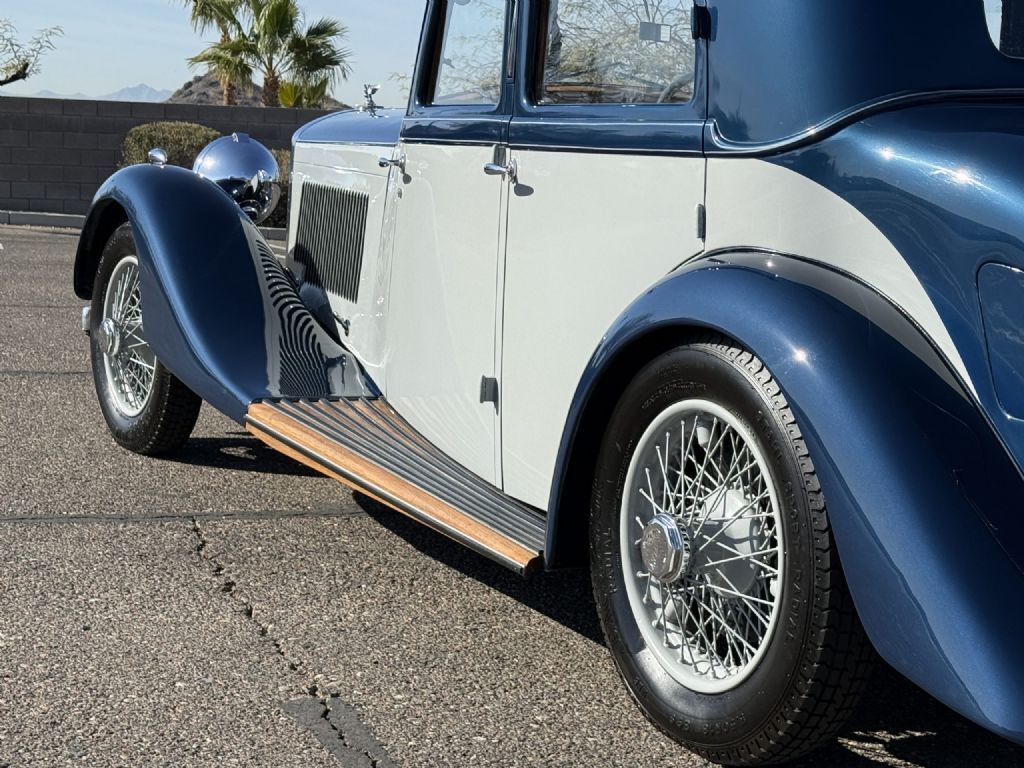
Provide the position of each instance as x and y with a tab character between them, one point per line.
896	723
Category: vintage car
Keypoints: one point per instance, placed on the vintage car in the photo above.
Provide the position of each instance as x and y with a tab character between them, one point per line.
724	299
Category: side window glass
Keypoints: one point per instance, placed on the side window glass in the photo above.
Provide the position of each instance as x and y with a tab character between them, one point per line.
1006	26
470	66
617	52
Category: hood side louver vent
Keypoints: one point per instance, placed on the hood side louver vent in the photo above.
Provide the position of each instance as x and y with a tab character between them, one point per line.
330	237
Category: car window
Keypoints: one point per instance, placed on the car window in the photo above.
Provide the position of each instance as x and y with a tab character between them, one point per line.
470	67
617	52
1006	25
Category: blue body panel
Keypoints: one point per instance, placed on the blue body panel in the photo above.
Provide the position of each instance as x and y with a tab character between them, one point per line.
776	74
221	313
943	184
906	460
353	127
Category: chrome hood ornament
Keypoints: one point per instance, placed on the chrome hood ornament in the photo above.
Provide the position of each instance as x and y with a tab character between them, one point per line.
369	91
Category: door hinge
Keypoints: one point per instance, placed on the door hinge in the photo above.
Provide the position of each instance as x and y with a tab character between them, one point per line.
700	22
489	390
702	222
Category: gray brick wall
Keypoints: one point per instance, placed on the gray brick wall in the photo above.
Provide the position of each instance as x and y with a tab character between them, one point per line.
54	154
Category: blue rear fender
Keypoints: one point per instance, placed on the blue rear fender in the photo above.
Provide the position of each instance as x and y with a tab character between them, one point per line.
219	310
915	478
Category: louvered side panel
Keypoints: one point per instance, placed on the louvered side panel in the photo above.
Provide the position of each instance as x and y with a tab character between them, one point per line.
331	237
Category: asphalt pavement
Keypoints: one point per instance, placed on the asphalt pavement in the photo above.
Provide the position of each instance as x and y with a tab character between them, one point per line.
226	606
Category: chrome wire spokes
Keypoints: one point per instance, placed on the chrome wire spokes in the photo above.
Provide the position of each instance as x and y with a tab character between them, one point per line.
701	545
129	362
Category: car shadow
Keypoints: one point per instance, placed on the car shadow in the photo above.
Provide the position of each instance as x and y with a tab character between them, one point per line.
238	451
563	596
896	723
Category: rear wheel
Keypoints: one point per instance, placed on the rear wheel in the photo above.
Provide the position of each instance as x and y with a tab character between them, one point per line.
715	572
147	409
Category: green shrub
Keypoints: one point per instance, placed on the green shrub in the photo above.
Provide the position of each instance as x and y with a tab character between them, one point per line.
181	141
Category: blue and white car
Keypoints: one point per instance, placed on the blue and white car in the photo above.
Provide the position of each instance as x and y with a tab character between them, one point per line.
722	300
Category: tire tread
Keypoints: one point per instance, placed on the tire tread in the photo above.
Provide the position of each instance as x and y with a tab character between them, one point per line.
167	420
839	661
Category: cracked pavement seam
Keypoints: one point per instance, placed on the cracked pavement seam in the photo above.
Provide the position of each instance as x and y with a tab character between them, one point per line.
335	724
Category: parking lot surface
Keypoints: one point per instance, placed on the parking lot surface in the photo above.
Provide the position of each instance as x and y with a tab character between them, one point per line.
226	606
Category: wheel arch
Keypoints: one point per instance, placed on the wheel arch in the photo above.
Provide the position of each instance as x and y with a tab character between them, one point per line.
105	216
908	461
570	498
221	313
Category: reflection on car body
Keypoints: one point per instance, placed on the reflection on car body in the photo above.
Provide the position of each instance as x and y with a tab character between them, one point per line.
721	301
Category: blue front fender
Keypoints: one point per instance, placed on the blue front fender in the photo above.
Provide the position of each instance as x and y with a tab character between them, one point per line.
219	310
919	488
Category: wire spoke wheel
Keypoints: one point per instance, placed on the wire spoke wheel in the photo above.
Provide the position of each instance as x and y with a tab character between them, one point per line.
715	574
146	408
701	545
128	361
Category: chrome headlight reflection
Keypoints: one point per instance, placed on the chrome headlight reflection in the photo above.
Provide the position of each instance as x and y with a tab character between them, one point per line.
246	170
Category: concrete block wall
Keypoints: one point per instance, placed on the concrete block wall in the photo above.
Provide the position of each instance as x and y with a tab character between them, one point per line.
55	153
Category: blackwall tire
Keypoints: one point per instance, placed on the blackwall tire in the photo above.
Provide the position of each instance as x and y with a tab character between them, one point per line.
791	654
146	408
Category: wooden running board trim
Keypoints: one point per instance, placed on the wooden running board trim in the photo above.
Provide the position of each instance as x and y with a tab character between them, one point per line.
299	441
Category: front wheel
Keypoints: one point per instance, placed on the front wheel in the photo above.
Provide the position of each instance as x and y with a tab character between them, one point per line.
715	572
147	409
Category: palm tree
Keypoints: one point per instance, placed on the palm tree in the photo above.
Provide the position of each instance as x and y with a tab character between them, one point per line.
311	94
276	43
221	15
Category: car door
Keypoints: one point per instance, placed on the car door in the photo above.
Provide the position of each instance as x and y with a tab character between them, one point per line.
608	198
449	233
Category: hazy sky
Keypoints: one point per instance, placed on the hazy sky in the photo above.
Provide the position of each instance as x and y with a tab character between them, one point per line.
110	44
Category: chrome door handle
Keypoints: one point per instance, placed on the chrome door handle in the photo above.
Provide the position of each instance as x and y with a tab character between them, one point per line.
510	171
388	162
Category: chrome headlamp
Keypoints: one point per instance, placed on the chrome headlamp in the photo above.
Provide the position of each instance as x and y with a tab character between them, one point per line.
246	170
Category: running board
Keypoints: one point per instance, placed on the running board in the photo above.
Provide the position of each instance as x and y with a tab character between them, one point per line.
366	445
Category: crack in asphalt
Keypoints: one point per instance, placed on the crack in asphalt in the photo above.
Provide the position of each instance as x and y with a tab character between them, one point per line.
43	374
335	724
338	728
174	517
7	305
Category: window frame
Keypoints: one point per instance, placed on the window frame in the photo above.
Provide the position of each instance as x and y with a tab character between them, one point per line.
997	41
540	31
673	128
502	67
428	65
531	71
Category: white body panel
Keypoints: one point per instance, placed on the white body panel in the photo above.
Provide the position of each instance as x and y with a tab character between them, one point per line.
444	299
760	204
354	167
587	234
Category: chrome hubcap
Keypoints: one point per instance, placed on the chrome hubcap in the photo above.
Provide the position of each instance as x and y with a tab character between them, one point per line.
665	549
701	546
128	361
110	337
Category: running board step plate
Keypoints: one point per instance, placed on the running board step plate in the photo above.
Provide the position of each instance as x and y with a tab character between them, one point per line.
366	445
